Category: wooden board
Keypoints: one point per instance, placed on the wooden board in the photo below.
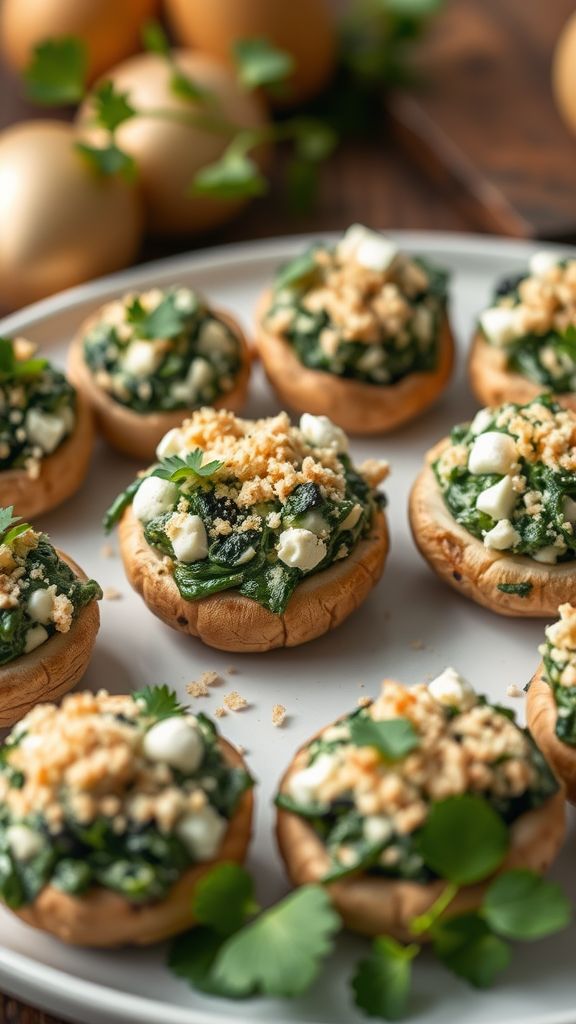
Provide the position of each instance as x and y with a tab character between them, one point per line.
485	120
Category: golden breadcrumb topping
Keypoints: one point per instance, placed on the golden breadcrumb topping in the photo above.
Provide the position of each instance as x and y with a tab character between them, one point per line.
561	646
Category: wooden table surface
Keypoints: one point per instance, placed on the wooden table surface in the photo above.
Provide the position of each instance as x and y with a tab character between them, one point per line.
423	168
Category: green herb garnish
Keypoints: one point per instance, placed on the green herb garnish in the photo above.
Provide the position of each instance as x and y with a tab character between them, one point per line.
394	738
177	469
259	63
520	589
12	368
382	982
481	845
159	702
57	73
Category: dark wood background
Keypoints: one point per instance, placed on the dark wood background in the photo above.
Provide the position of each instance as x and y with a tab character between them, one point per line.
480	148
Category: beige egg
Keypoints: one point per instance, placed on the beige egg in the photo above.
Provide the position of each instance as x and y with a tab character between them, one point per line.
60	222
169	145
305	28
110	29
564	73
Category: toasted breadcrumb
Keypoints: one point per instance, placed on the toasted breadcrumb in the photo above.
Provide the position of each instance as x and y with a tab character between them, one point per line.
107	551
278	715
210	678
417	645
220	712
197	688
233	701
232	670
111	594
364	702
514	691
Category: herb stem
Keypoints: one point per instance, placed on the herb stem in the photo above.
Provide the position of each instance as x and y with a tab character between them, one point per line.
424	922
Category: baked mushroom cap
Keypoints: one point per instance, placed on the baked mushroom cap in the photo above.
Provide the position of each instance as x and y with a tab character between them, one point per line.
102	918
137	434
61	473
358	407
542	714
463	561
53	668
376	906
231	622
493	383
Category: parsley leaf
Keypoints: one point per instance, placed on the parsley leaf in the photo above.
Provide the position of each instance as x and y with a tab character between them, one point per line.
382	982
463	839
522	905
57	72
521	589
175	468
192	957
467	947
154	38
10	525
394	738
164	321
259	63
224	898
298	271
186	88
111	107
108	160
279	954
158	702
10	367
234	176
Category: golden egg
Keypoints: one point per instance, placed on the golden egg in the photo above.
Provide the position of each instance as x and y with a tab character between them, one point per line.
564	73
167	140
110	29
305	28
60	221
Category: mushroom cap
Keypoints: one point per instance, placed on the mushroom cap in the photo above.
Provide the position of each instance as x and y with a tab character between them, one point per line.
541	713
493	383
53	668
358	407
232	622
374	905
61	473
137	434
103	918
461	560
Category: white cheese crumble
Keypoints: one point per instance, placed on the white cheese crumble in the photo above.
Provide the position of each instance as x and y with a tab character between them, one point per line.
214	337
498	501
369	248
188	536
302	785
352	518
45	429
202	832
24	842
141	359
35	636
499	324
492	452
171	444
153	498
41	605
547	555
543	261
322	433
452	690
175	741
300	549
481	421
502	537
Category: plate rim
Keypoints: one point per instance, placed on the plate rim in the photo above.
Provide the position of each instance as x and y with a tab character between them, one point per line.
53	988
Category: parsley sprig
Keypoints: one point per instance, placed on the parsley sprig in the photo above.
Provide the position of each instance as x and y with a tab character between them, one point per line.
176	468
158	702
393	738
11	526
12	368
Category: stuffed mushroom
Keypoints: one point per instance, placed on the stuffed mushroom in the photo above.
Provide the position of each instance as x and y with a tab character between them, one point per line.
494	510
146	360
350	815
48	619
551	704
253	534
46	431
357	331
526	340
112	808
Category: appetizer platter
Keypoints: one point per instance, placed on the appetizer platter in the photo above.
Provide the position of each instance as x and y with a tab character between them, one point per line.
278	713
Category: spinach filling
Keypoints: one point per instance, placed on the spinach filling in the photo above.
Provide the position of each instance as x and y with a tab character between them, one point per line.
193	360
245	558
339	823
548	359
384	362
42	568
461	488
140	863
565	698
25	385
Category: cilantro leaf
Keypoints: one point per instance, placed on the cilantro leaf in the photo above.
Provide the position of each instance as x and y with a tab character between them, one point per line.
108	160
154	38
393	738
186	88
522	905
467	947
57	72
298	271
192	956
463	839
158	702
259	63
234	176
176	468
164	321
10	367
279	954
111	107
382	982
7	519
224	898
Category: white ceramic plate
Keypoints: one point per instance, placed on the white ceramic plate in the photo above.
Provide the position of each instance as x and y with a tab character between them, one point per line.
411	627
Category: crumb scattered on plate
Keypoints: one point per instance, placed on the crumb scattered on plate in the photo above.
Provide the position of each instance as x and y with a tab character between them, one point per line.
233	701
278	715
232	670
417	645
111	594
197	688
363	702
514	691
220	712
107	551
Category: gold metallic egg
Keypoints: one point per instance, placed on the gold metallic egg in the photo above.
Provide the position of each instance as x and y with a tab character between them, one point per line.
60	221
169	141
